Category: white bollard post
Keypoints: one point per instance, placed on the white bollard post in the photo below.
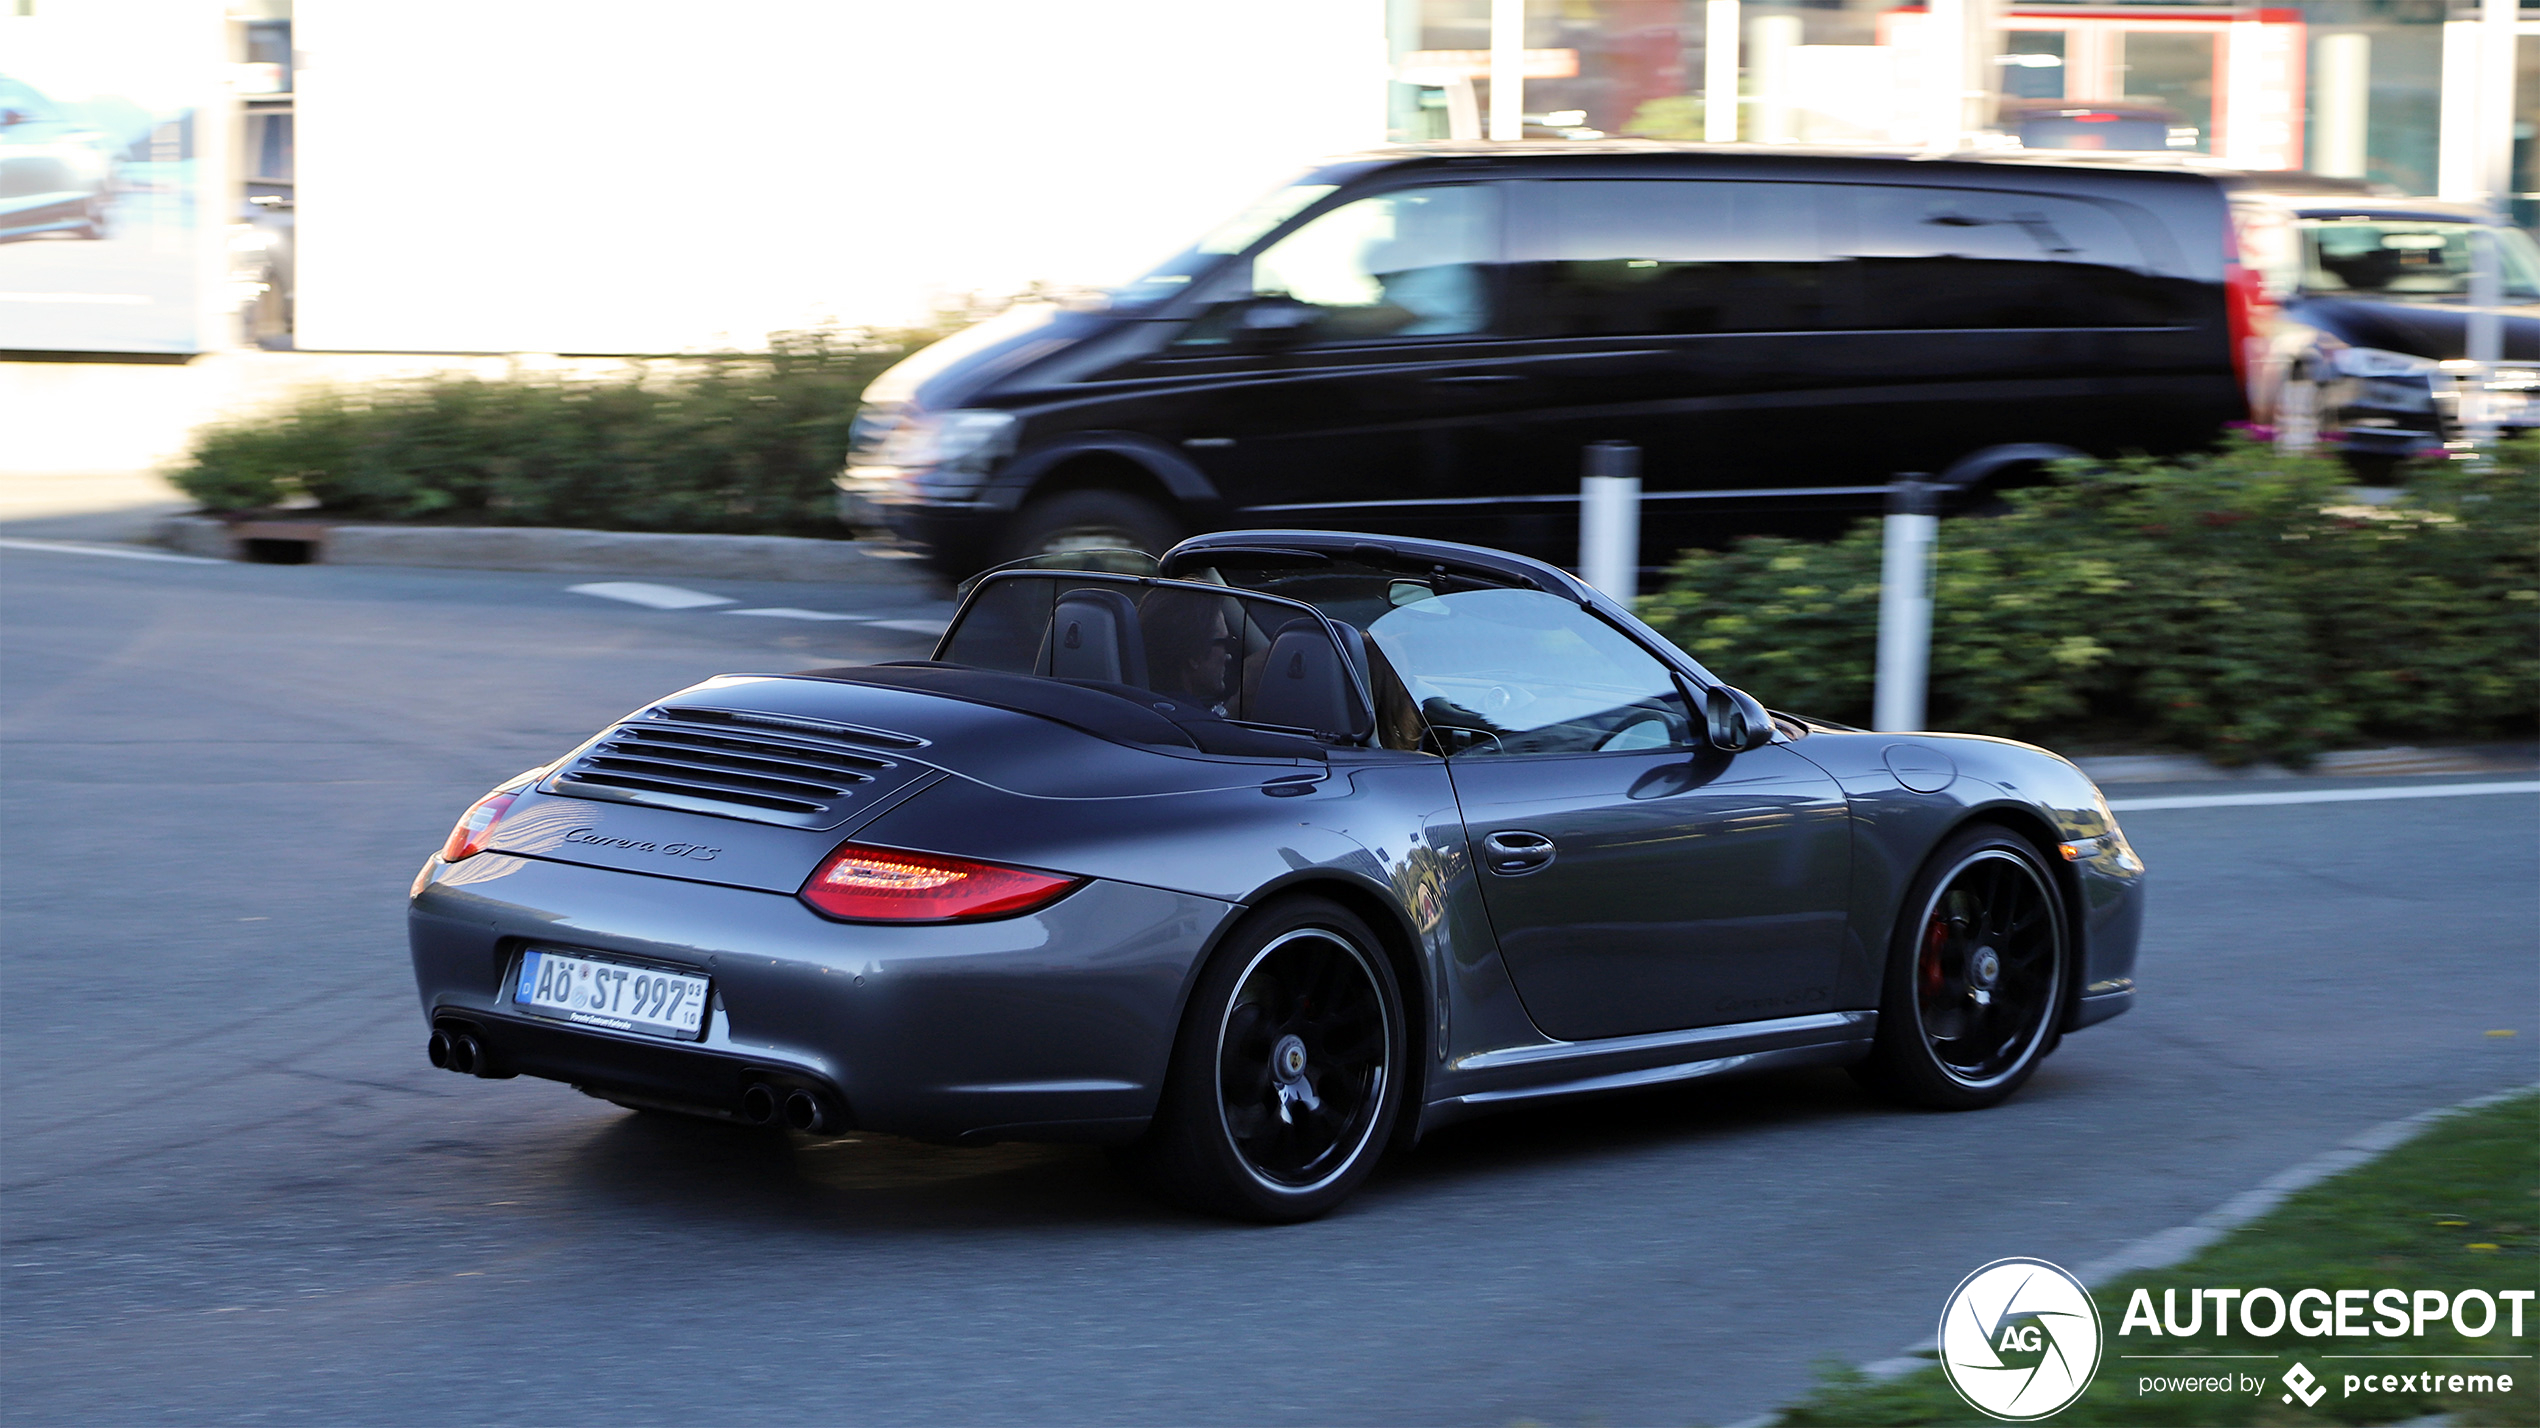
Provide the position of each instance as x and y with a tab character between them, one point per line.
1905	581
1609	519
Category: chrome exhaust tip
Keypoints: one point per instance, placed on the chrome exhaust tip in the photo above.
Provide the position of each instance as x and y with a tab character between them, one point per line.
758	1104
803	1112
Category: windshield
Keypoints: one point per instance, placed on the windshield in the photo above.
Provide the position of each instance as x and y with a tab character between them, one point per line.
1232	236
2409	260
1207	651
1481	668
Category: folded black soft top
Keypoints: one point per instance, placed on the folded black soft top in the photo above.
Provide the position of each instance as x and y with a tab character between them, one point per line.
1122	713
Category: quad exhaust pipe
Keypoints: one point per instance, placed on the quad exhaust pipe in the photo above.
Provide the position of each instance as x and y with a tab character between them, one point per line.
763	1104
454	1051
803	1112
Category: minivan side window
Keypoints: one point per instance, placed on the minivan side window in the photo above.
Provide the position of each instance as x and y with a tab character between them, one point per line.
1412	263
1935	258
1633	257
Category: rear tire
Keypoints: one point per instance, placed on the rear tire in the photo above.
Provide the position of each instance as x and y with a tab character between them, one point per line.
1976	976
1092	519
1287	1076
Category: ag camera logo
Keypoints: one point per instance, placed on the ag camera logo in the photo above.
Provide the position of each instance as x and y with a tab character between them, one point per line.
2019	1339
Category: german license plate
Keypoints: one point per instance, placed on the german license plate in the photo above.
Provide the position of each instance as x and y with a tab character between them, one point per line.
612	995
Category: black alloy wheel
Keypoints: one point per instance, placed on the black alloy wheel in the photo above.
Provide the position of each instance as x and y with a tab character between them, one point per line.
1976	981
1286	1079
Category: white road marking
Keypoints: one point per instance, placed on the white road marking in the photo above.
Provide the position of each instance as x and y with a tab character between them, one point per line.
2321	795
787	612
658	597
914	627
63	547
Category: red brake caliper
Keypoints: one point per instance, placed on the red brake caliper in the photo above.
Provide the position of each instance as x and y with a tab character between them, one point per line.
1933	939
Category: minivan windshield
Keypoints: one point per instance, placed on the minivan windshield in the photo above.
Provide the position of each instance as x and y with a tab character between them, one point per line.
2409	260
1232	236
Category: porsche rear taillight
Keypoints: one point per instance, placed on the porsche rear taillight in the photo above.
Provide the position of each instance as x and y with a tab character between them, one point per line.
476	828
887	885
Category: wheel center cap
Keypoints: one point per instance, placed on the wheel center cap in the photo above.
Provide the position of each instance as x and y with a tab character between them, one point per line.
1287	1059
1984	969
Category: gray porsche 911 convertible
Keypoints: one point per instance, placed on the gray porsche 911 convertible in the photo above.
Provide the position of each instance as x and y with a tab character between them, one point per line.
1256	861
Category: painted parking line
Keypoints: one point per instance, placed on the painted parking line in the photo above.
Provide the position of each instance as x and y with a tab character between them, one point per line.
2322	795
787	612
657	597
117	552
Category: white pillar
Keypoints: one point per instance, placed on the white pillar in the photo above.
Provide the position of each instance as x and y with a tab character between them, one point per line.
1719	72
1773	37
1609	520
1905	581
1507	70
2490	161
2343	94
1945	75
2456	133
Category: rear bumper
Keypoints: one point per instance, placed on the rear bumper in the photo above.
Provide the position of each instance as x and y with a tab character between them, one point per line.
1053	1026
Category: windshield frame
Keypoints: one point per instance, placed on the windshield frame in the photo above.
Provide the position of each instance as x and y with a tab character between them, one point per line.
1366	710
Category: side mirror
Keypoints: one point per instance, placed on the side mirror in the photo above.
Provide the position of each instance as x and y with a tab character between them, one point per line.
1274	320
1737	723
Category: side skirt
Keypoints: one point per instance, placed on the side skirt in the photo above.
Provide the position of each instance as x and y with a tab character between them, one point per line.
1628	1063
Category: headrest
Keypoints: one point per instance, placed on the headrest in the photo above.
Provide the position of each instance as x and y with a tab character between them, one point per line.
1093	634
1302	684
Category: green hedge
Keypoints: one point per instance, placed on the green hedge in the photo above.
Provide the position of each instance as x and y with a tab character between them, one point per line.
2236	604
731	443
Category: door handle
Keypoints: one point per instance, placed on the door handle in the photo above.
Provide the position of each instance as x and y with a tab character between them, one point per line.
1476	379
1515	852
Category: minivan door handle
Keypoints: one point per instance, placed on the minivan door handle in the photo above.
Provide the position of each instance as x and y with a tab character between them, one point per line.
1514	852
1476	379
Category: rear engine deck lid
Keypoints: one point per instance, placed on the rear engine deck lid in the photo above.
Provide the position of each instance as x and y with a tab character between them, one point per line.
818	754
663	842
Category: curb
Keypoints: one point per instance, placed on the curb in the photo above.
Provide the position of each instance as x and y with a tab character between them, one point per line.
553	550
2181	1242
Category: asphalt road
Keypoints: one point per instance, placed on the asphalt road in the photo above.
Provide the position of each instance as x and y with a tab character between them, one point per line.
232	1190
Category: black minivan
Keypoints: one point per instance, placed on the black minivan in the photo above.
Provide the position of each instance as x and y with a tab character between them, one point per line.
1424	341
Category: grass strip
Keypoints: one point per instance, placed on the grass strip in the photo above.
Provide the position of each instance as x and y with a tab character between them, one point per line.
2455	1208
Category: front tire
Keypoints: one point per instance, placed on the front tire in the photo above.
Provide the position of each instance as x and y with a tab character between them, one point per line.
1287	1076
1091	519
1976	977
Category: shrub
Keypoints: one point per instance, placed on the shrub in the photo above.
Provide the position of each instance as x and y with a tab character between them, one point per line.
724	443
2237	604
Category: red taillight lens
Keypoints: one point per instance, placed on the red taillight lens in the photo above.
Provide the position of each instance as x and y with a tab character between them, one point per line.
888	885
476	828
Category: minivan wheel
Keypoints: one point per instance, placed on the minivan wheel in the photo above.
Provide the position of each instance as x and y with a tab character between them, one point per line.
1975	977
1287	1075
1093	519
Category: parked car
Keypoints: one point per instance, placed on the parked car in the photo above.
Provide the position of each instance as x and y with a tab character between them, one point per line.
56	174
2095	126
2369	353
1423	341
1254	861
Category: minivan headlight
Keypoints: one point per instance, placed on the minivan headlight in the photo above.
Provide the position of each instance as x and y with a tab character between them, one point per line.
2374	362
952	452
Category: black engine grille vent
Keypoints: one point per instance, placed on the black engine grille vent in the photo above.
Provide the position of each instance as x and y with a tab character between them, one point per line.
768	768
